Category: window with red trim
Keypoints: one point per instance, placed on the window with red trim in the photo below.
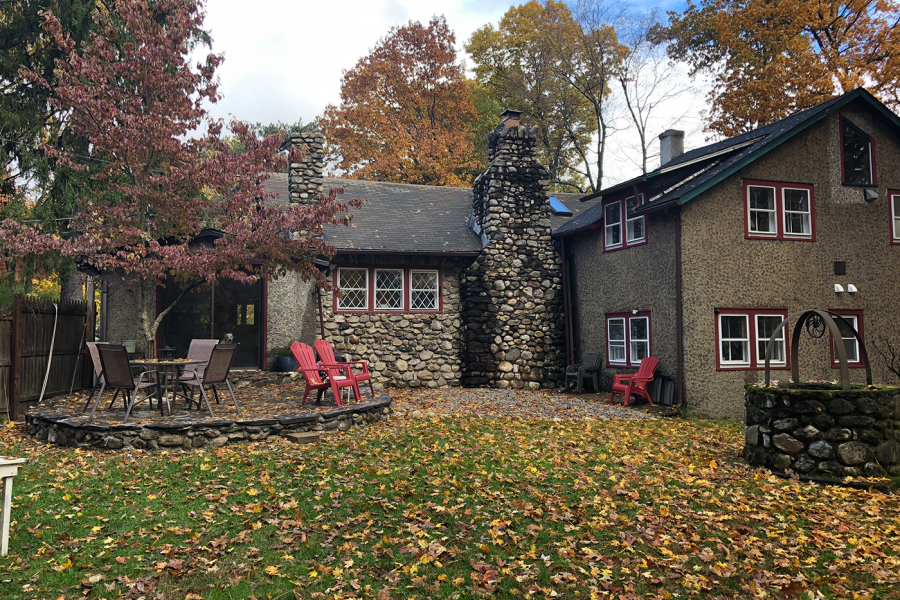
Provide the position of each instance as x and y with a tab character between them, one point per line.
779	211
894	197
627	338
852	319
742	336
857	155
388	289
622	228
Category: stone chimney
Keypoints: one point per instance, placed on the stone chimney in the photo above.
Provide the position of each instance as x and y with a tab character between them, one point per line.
305	183
511	294
671	146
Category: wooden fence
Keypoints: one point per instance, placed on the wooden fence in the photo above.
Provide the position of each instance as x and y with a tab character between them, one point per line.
26	332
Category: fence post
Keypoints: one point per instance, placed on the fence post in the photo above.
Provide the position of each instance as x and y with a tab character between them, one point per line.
15	355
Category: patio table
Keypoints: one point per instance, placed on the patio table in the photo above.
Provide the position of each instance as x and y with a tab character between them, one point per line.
8	469
166	367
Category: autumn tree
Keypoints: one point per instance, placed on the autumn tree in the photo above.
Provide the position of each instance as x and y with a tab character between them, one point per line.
516	67
770	58
405	112
154	182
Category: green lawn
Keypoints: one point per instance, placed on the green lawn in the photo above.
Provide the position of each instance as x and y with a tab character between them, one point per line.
442	509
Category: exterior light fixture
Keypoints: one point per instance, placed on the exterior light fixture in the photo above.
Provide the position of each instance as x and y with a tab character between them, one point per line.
838	288
851	288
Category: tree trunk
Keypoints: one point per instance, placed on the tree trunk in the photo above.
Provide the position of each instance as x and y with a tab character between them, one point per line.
149	323
70	287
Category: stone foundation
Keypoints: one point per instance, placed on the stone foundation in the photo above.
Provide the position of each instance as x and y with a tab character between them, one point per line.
76	432
822	432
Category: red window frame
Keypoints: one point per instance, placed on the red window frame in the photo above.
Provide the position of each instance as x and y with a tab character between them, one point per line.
753	340
628	364
894	229
852	312
872	154
370	290
623	223
779	186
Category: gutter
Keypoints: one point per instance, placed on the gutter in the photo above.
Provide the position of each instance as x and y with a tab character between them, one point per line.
679	309
472	254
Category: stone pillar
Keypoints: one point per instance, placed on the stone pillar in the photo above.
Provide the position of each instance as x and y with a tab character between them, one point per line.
305	182
512	293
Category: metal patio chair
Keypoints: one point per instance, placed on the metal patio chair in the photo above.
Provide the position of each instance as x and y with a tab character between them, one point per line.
200	349
116	370
215	373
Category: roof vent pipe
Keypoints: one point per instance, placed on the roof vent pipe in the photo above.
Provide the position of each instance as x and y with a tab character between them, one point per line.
671	146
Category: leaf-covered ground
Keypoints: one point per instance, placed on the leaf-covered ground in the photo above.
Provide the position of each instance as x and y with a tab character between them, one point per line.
445	508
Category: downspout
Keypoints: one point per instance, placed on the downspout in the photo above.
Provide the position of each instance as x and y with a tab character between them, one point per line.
679	309
567	304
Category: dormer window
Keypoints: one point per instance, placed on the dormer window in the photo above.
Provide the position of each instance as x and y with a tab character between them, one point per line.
857	155
622	227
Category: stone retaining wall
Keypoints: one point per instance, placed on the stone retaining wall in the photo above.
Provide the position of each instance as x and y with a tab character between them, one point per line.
824	433
75	432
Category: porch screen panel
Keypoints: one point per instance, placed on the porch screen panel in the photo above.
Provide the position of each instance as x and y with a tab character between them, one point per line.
190	319
238	311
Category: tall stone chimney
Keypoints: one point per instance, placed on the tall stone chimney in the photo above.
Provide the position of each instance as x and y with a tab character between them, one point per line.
511	294
671	145
305	182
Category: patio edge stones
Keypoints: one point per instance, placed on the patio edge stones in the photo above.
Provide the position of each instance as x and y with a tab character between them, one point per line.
75	432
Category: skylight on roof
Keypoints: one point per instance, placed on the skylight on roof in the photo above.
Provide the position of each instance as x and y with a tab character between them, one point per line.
558	208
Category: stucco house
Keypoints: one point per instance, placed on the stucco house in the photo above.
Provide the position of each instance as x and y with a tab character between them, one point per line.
697	262
440	286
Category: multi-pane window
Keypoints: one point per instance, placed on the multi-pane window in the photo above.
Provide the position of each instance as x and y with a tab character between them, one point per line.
895	218
857	156
782	211
612	220
388	289
354	289
634	224
744	334
627	338
847	325
765	330
424	292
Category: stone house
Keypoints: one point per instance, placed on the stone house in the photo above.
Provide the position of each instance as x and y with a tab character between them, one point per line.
697	262
440	286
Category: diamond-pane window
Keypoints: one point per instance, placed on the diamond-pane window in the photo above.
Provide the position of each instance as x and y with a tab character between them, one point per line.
388	289
423	287
353	284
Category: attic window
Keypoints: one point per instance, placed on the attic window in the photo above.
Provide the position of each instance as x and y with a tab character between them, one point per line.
857	155
558	208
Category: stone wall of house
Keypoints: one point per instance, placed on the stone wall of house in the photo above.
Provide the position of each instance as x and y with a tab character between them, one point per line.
305	181
402	349
824	432
512	298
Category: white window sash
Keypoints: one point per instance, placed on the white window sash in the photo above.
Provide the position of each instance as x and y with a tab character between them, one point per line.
617	343
629	221
632	341
786	212
609	227
340	273
436	290
746	341
854	322
773	211
895	213
400	289
761	349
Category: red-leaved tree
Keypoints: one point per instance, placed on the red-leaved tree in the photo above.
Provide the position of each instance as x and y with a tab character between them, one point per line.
155	183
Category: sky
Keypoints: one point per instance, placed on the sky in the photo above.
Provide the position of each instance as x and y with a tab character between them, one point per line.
284	58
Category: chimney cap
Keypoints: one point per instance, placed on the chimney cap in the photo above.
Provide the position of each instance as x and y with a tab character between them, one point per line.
510	115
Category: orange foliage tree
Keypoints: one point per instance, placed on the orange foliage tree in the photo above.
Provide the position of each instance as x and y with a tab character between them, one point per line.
406	111
770	58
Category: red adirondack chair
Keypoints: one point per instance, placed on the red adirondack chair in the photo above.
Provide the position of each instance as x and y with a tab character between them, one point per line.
326	354
635	384
307	366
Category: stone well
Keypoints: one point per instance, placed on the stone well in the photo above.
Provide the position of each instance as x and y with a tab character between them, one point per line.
823	431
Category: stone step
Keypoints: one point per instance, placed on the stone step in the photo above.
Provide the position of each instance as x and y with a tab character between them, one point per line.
305	437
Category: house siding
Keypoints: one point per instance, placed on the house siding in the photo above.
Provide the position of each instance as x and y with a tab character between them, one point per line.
722	269
639	278
403	349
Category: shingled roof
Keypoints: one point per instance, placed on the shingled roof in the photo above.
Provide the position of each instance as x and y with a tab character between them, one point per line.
404	218
684	178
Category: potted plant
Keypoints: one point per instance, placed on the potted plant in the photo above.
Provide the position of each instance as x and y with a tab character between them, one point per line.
284	360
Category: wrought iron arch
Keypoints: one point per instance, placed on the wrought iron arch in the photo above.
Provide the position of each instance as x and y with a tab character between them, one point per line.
827	317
